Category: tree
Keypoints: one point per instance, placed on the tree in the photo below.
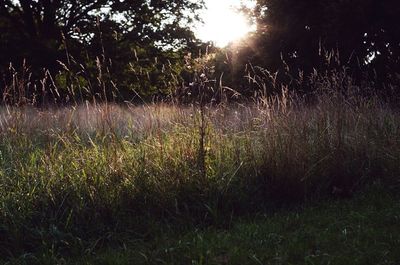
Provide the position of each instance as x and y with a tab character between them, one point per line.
41	25
362	34
46	22
45	32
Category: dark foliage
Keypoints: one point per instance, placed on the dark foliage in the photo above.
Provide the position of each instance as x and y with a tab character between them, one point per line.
90	47
127	50
296	37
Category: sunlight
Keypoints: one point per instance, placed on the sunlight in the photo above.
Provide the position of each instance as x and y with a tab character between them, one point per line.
223	24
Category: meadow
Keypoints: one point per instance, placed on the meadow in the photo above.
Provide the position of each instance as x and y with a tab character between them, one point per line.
280	180
126	137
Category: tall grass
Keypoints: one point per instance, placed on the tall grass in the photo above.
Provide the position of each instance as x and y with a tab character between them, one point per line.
91	171
88	172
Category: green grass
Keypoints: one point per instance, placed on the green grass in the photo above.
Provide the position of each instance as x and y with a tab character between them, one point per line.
363	230
85	179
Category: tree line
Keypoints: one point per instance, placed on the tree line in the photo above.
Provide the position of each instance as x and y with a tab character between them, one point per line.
297	38
65	49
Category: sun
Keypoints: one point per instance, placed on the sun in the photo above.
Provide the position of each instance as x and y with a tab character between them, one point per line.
223	24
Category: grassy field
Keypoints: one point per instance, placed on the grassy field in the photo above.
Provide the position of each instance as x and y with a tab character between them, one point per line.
265	183
363	230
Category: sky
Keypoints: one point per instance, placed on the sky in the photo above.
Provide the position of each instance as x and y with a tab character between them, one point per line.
222	24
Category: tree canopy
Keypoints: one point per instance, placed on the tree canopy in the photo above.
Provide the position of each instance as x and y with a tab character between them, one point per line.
362	35
140	46
125	36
